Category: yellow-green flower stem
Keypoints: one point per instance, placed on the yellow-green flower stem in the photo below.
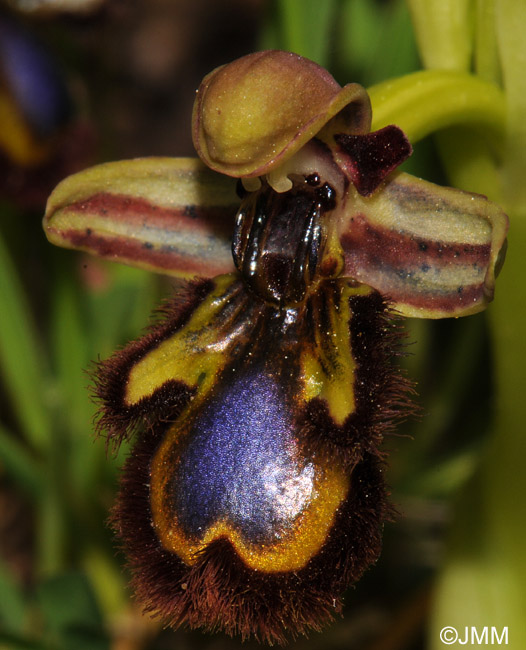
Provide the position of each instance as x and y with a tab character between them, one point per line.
484	577
443	32
424	102
510	16
486	56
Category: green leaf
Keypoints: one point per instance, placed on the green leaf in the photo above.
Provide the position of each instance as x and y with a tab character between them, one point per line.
70	351
21	357
444	32
375	40
357	30
12	602
306	27
71	356
71	613
121	309
10	641
18	462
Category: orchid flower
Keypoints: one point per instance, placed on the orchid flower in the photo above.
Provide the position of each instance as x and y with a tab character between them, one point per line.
41	138
254	494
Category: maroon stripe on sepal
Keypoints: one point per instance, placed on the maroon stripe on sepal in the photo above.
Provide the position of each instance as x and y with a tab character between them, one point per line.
187	239
164	258
423	273
129	209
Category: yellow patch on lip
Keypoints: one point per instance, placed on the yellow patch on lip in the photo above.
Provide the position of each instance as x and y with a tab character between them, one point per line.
328	368
192	355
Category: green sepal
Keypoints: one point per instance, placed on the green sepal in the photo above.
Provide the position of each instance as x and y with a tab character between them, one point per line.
170	215
433	251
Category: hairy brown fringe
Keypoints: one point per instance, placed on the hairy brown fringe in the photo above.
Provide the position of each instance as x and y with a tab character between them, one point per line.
383	394
219	592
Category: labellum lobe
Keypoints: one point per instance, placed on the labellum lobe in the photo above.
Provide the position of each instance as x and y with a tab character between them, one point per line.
238	514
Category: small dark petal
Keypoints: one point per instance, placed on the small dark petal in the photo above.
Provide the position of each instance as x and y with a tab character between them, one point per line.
374	155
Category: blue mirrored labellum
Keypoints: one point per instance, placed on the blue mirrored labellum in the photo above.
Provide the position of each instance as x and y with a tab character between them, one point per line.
256	486
240	463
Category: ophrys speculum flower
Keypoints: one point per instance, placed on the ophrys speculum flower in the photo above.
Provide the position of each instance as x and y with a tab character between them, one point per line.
254	494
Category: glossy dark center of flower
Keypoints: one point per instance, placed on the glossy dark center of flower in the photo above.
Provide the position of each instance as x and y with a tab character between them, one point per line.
279	238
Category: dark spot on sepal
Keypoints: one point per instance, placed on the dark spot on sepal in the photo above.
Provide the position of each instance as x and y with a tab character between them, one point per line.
190	211
383	394
118	420
220	592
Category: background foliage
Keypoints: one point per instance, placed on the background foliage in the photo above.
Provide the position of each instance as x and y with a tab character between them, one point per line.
455	556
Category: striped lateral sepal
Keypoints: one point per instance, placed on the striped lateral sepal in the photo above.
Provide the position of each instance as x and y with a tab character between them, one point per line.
433	250
169	215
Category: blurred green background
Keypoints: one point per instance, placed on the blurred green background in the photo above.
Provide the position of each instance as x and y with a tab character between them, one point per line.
455	556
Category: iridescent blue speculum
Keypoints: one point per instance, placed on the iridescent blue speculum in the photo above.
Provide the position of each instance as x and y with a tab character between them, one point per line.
254	494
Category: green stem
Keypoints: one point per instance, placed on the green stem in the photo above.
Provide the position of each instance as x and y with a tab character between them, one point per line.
444	32
512	48
468	162
486	52
427	101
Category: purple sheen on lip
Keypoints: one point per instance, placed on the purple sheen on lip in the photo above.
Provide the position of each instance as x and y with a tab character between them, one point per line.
373	156
240	464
